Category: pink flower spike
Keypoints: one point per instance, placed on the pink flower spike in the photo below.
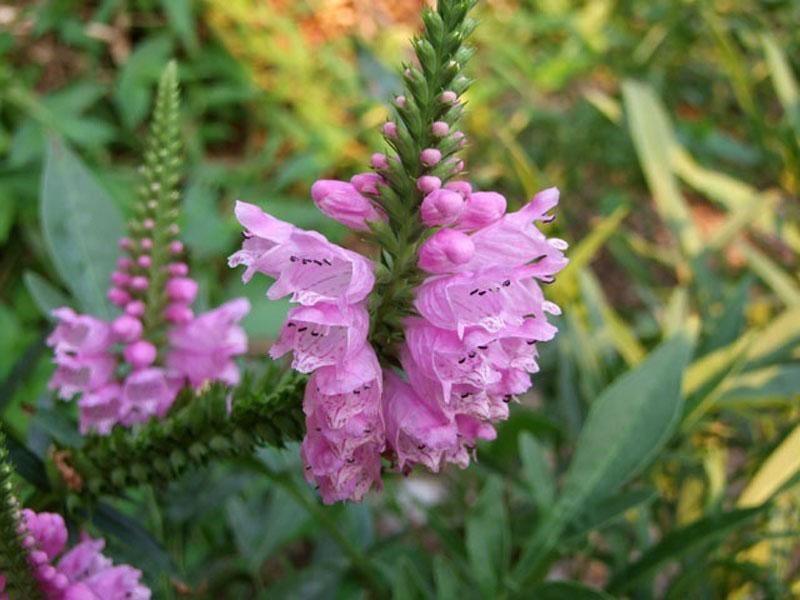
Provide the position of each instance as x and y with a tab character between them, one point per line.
148	223
448	97
135	308
430	157
140	354
428	183
120	279
367	183
126	328
178	269
341	202
441	207
445	250
483	208
144	261
203	349
146	244
178	313
390	129
176	247
182	289
125	243
118	297
440	129
140	283
379	161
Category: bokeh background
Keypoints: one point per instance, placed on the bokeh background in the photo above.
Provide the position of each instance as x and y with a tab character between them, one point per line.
672	129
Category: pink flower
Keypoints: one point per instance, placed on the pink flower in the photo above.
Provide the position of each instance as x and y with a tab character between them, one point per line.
441	207
445	250
79	374
203	349
321	335
48	530
93	576
417	429
182	289
100	409
313	270
493	299
344	428
147	393
262	233
341	202
79	334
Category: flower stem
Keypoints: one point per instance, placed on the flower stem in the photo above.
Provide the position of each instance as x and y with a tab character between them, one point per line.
441	54
14	565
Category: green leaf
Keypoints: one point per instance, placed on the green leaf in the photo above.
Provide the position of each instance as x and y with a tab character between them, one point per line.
488	537
179	13
138	543
536	471
784	81
610	510
567	590
626	427
447	584
681	541
46	296
653	137
81	226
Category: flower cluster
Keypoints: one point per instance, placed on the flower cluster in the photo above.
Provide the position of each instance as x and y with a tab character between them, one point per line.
81	573
327	336
481	312
122	376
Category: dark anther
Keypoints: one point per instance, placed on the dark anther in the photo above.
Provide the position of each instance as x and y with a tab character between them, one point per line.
292	259
318	262
507	283
507	398
472	354
290	324
530	342
473	292
482	347
350	461
466	395
314	333
327	262
462	361
356	392
302	329
421	447
482	293
318	428
538	258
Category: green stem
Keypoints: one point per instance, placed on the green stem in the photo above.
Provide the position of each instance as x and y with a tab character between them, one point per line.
14	565
441	54
268	411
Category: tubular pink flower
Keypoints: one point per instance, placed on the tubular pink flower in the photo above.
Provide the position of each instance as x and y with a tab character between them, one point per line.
445	250
341	202
80	374
100	409
322	335
147	393
262	233
79	334
441	207
203	349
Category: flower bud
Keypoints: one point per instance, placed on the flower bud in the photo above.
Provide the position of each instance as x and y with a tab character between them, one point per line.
140	283
445	250
182	289
148	223
428	183
135	308
176	247
448	97
379	161
118	297
461	187
482	209
390	129
120	279
341	202
400	101
144	261
146	244
430	156
367	183
124	263
441	207
126	328
178	313
140	354
178	269
125	243
440	129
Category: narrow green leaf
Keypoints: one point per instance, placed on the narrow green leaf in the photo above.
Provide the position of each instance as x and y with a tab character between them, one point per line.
488	537
680	541
447	584
567	590
81	225
784	80
653	136
784	286
536	471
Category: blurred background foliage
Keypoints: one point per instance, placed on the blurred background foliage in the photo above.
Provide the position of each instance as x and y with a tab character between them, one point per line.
673	131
